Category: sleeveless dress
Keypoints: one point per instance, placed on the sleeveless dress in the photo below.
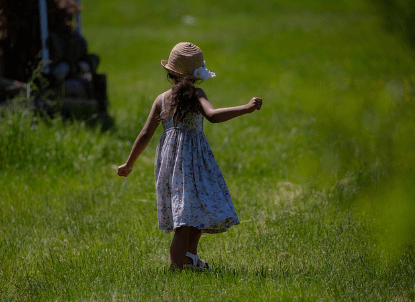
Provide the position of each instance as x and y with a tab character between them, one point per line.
191	190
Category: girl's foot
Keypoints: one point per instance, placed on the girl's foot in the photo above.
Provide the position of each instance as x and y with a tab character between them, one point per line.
193	261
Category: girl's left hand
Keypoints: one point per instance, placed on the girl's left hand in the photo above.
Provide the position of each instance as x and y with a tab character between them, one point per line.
255	104
124	170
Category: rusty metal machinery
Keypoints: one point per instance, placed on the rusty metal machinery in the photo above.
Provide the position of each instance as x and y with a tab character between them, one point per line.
41	35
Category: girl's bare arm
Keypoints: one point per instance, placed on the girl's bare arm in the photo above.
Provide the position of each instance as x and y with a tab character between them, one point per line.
142	139
220	115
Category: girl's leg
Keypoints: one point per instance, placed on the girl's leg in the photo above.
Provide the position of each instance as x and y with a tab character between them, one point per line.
194	237
179	247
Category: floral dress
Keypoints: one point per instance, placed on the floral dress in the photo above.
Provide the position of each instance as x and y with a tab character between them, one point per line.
191	190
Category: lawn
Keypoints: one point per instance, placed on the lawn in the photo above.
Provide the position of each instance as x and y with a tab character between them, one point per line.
321	178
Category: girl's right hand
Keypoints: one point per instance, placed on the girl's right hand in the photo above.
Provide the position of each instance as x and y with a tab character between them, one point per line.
124	170
254	104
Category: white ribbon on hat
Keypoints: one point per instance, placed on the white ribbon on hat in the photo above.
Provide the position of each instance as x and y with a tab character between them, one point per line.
203	73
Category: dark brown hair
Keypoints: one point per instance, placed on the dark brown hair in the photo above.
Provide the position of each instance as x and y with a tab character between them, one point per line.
184	98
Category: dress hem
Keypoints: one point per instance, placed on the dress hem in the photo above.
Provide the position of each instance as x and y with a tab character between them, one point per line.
206	230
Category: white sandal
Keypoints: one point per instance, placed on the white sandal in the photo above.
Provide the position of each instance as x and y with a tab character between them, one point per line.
195	259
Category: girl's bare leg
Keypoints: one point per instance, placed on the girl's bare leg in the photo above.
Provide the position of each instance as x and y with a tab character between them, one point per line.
194	237
179	247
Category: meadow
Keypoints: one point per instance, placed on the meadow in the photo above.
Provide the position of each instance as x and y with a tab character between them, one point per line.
322	177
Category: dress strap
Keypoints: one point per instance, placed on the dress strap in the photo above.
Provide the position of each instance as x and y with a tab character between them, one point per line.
162	104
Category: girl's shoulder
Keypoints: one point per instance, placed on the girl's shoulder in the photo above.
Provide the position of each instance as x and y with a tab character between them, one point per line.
200	93
160	98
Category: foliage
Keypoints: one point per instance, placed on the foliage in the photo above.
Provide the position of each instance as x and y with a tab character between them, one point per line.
398	18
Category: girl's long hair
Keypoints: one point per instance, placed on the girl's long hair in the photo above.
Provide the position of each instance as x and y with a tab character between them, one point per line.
184	98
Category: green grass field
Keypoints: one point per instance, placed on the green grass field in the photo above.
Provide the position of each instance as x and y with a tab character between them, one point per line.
322	178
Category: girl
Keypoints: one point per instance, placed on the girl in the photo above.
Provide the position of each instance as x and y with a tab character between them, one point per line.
192	196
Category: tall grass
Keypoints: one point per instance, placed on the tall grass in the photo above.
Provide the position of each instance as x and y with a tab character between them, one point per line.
320	177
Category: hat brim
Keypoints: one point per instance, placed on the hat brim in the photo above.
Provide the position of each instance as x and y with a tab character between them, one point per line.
171	70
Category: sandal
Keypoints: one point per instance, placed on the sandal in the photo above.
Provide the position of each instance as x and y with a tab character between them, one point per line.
195	259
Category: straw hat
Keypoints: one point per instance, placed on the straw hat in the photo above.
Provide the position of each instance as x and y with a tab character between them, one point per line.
186	59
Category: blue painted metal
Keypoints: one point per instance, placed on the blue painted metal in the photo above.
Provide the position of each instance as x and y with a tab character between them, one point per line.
78	18
44	33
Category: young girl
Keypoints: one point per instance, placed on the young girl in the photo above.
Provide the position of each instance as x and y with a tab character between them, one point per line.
192	196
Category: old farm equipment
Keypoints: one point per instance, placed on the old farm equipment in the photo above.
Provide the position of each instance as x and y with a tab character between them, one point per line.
40	44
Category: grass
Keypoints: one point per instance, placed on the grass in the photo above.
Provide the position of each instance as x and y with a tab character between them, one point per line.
321	177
